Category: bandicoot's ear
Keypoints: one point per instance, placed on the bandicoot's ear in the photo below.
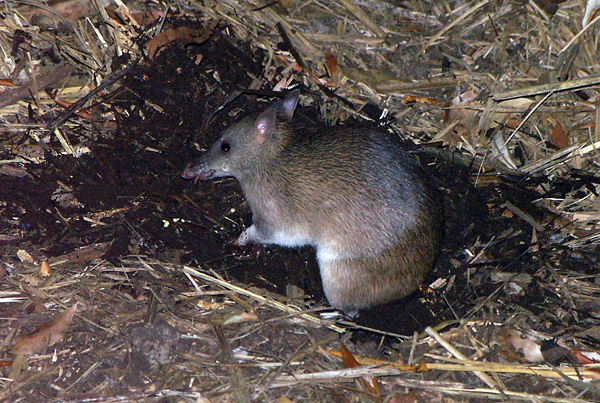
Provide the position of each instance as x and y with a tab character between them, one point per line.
289	103
265	124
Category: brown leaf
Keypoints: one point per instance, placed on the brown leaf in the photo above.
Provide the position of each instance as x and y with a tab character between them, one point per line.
146	18
587	125
72	10
350	362
241	318
66	105
46	335
83	255
332	64
409	99
456	110
154	45
45	268
587	357
185	34
7	82
559	138
69	10
347	358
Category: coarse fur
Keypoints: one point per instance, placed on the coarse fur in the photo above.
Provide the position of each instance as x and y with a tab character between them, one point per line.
351	192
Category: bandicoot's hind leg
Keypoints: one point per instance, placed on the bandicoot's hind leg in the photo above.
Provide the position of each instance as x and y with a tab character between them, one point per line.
362	282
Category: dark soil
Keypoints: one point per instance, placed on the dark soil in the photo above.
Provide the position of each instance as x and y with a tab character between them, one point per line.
127	193
168	110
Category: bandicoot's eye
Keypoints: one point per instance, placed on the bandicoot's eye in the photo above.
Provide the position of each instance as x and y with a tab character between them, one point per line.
225	147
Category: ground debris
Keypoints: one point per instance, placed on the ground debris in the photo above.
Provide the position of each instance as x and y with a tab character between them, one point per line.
103	104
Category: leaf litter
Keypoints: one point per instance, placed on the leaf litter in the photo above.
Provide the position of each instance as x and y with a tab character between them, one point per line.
102	104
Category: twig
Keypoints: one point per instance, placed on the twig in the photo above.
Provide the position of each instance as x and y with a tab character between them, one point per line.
76	105
267	301
363	17
570	85
14	95
481	375
453	24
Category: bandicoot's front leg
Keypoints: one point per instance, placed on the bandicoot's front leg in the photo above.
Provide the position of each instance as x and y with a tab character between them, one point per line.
255	233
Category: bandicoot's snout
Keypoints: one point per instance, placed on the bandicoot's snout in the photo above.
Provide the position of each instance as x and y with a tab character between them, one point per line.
197	173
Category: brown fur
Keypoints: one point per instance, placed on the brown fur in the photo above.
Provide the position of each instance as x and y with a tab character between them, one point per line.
351	192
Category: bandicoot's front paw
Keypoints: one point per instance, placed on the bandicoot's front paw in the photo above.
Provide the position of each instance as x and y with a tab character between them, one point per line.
245	237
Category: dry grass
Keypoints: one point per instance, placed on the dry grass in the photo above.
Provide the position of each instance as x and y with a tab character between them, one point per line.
507	88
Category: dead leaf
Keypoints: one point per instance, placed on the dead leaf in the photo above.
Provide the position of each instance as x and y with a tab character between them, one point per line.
73	10
410	99
587	357
45	268
467	110
185	34
7	82
146	18
500	151
83	255
455	112
241	318
66	105
143	18
332	64
155	45
46	335
587	125
559	138
372	385
70	11
347	358
512	123
24	256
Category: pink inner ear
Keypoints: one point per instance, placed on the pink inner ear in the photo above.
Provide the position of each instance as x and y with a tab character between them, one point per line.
265	124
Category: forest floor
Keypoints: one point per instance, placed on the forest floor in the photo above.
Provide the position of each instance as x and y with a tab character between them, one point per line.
119	280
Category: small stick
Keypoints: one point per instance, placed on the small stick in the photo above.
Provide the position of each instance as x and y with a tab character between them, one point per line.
482	375
570	85
76	105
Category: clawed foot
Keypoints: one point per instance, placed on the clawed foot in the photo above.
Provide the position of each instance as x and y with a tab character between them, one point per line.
247	237
243	239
